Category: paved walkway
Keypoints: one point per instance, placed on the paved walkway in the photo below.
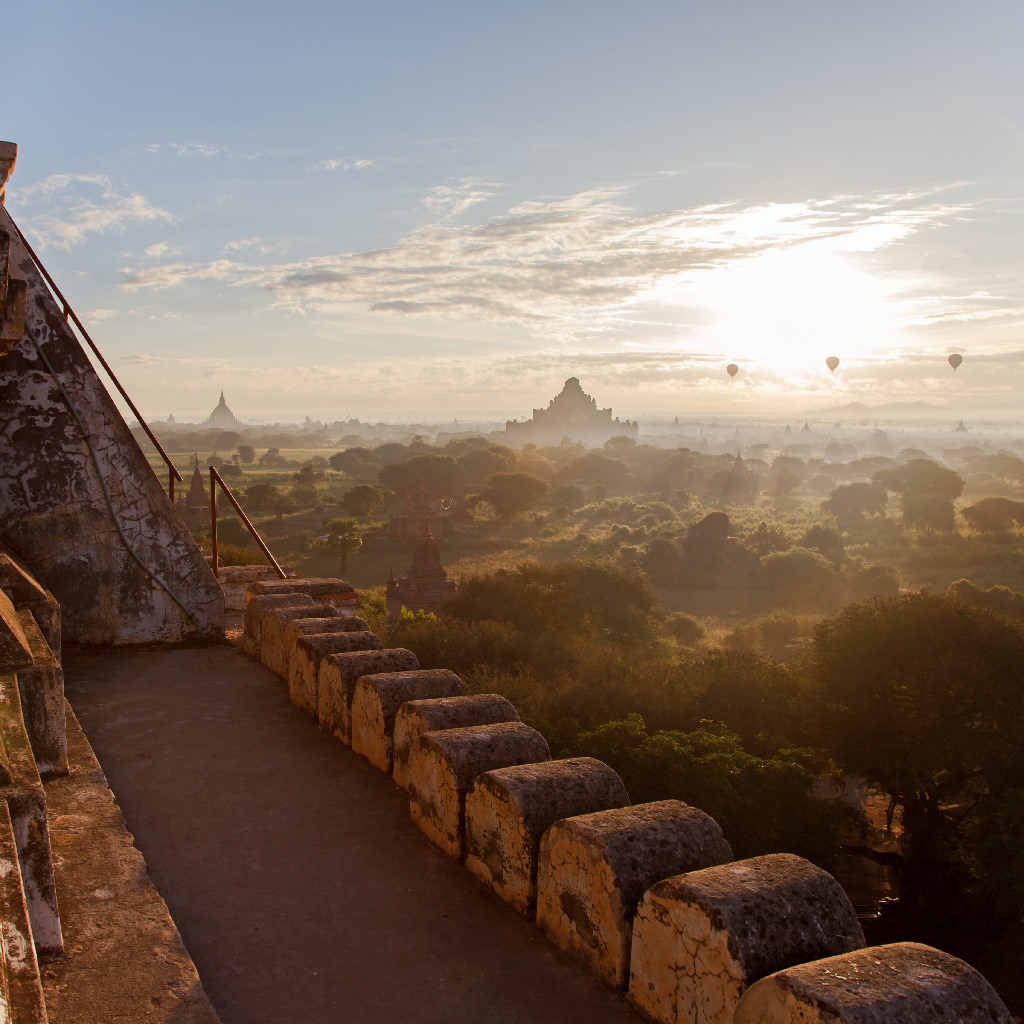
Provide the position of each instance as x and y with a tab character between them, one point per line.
298	883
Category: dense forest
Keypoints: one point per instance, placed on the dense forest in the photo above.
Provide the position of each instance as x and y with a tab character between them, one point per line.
820	643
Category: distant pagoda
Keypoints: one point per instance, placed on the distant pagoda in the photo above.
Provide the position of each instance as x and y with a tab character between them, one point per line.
425	586
571	414
222	416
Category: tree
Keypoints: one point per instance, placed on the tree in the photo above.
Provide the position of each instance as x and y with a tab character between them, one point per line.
261	495
765	804
583	598
801	578
439	474
345	538
365	499
595	468
997	598
478	465
512	493
994	515
921	477
354	461
273	458
246	454
930	513
850	502
923	697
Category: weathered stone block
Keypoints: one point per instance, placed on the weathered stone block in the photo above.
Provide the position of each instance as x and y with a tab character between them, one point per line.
334	623
509	809
256	609
21	990
903	983
336	683
700	940
328	590
445	764
25	797
26	593
376	701
309	650
14	647
275	652
593	869
417	717
41	685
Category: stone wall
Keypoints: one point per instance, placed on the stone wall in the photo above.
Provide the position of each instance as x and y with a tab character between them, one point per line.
80	505
646	897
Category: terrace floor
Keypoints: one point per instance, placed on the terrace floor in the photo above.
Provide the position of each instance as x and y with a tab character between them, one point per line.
300	887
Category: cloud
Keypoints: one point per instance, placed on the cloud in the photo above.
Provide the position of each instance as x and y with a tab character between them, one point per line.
450	200
255	245
361	164
99	315
186	150
569	267
160	250
71	209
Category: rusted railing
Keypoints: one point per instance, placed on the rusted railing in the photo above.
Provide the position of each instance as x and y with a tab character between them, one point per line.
216	478
70	314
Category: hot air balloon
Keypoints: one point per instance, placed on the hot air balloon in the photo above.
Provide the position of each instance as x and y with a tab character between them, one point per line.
955	360
732	369
832	362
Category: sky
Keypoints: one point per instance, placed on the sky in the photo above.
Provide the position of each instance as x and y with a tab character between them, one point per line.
438	210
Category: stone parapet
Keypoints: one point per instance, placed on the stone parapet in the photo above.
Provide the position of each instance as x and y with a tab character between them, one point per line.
256	609
41	686
445	764
376	701
275	648
26	593
336	683
701	939
417	717
593	869
902	983
21	990
509	809
15	651
329	590
307	653
22	790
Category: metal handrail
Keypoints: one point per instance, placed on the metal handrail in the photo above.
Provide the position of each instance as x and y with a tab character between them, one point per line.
216	478
70	314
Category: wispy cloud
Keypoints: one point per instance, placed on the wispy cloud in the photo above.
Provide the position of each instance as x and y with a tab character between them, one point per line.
187	150
450	200
565	267
255	245
73	206
339	164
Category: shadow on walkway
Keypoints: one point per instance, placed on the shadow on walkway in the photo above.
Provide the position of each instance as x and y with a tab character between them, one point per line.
298	883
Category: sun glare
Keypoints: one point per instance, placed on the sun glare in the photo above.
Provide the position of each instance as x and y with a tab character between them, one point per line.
792	307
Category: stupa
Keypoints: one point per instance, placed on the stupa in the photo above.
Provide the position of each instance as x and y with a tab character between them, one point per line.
222	416
425	586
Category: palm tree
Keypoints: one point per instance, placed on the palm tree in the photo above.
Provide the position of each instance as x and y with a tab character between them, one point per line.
345	538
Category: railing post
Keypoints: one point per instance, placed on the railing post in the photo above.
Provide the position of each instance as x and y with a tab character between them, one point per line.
215	476
213	517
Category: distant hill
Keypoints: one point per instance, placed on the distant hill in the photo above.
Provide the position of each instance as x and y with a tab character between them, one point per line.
886	409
